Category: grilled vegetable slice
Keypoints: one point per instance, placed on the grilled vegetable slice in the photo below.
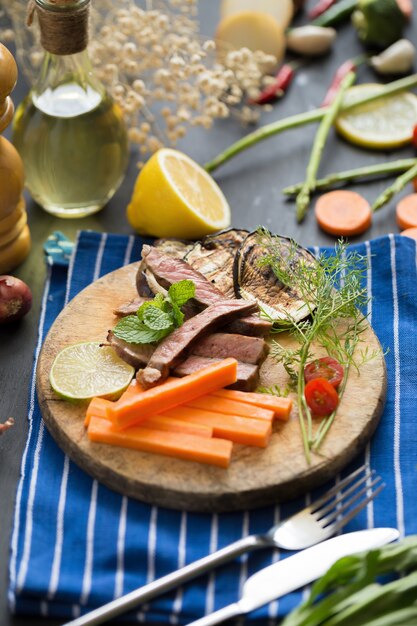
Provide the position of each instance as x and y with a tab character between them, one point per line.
214	257
253	282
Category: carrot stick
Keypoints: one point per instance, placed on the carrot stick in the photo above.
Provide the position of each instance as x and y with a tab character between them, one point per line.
230	407
280	406
244	430
406	211
343	213
182	446
133	410
98	406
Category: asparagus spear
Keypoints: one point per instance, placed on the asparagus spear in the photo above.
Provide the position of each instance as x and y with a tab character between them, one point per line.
397	186
348	176
304	118
303	197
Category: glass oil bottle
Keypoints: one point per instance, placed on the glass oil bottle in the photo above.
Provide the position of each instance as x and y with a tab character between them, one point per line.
68	131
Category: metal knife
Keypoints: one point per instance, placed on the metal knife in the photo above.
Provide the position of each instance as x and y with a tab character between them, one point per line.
298	570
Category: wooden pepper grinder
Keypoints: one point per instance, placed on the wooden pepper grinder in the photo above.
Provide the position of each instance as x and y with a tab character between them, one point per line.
14	231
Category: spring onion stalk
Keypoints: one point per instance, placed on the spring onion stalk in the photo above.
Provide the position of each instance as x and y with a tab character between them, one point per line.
302	119
337	13
332	111
396	187
348	176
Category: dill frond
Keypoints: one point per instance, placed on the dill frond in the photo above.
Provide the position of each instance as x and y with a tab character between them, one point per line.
332	287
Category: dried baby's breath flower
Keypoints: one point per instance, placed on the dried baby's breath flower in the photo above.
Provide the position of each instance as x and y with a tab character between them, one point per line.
159	70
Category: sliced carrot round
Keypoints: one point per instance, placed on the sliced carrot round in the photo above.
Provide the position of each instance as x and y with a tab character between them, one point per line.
410	232
343	213
406	211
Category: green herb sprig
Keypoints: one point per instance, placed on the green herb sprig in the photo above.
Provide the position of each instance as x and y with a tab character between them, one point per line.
332	289
157	318
351	592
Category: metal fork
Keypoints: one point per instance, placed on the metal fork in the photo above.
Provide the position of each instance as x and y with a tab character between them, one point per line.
319	521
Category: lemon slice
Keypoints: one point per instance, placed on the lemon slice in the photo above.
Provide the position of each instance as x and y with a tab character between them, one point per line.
385	124
86	370
175	197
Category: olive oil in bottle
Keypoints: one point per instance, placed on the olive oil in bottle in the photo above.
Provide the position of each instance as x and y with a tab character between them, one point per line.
68	131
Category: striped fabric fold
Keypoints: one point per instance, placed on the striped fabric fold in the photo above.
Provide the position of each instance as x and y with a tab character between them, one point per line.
76	544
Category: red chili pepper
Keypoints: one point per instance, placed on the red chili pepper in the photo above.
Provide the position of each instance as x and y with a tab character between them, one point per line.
277	88
344	69
320	8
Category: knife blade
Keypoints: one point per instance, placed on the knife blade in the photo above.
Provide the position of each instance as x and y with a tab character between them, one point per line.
298	570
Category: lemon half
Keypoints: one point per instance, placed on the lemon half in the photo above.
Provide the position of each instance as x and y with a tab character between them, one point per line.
176	197
385	124
86	370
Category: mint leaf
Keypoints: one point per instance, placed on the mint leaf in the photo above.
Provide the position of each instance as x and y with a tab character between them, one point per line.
156	319
179	293
177	315
132	330
158	302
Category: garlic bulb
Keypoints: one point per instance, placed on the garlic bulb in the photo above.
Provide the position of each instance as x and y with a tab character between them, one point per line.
310	40
397	59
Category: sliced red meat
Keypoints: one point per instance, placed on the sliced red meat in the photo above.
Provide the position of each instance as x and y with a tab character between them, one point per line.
247	373
223	345
172	349
167	270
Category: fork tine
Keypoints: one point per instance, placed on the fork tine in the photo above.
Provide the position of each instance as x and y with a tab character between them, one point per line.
341	523
336	489
342	495
346	505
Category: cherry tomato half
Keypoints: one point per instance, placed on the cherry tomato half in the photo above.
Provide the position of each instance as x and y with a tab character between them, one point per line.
327	368
321	397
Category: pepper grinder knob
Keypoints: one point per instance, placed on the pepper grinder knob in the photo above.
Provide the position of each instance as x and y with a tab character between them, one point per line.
8	78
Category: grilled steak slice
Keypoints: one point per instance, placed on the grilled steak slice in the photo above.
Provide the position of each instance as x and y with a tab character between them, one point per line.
222	345
251	325
173	348
251	350
137	355
214	257
167	270
142	286
247	373
129	308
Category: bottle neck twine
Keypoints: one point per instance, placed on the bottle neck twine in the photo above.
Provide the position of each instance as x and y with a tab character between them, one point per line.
63	29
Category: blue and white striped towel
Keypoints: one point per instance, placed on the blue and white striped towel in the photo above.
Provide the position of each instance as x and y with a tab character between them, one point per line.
76	544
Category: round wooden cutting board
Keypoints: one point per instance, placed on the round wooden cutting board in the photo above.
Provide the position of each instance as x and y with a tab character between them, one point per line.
256	477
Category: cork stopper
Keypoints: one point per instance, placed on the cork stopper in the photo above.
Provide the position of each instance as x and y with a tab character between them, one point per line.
63	24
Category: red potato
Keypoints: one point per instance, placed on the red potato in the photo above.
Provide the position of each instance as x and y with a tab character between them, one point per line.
15	299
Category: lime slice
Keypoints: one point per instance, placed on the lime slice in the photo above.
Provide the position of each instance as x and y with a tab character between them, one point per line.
86	370
384	124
